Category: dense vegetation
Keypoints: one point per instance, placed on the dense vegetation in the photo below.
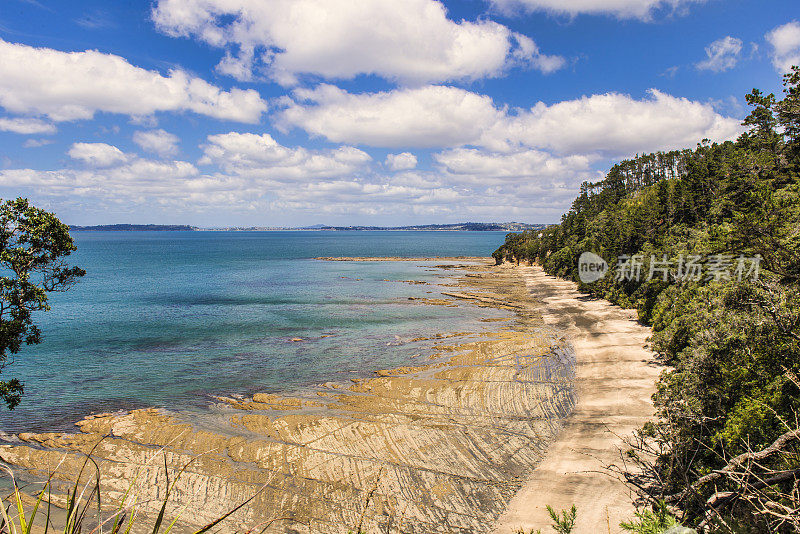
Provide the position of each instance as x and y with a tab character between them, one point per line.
723	450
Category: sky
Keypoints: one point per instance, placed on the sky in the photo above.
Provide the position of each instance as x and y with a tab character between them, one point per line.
355	112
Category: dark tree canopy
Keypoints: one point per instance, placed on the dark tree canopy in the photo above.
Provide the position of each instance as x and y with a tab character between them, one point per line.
33	248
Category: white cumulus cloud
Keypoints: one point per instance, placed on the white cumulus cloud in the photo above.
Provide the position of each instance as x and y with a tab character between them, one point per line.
624	9
412	41
785	41
124	182
260	156
614	124
26	126
97	154
430	116
401	162
722	54
67	86
442	117
159	142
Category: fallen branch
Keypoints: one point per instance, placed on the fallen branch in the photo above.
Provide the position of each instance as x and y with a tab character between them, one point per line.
779	445
722	498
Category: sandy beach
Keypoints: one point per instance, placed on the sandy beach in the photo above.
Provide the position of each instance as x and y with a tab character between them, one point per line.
441	446
615	378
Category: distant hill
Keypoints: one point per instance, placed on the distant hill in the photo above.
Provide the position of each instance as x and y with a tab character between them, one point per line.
457	227
133	228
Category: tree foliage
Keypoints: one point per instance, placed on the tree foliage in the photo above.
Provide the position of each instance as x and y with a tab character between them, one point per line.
33	248
731	346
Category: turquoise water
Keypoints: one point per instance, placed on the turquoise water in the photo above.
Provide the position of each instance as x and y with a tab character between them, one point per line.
169	318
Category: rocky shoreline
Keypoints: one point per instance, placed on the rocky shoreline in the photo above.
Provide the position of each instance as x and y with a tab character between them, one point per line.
438	447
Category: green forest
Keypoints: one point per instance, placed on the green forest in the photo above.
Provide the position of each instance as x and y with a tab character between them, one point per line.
722	453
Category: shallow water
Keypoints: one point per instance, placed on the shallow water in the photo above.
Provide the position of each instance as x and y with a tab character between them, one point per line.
169	318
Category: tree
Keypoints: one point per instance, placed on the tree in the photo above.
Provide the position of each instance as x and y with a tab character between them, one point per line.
718	453
789	111
33	245
762	121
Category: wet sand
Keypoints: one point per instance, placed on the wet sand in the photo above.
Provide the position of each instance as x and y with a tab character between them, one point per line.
615	378
440	445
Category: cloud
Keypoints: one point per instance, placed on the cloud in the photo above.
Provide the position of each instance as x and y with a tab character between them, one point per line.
785	41
431	116
448	117
118	182
68	86
411	41
260	156
401	162
26	126
125	181
484	167
670	72
722	54
97	154
157	141
516	182
493	162
615	125
35	143
96	20
251	173
623	9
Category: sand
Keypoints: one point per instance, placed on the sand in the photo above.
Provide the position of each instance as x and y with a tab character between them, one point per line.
615	379
438	446
441	446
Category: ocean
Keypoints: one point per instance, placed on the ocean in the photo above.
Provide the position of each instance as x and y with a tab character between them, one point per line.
169	319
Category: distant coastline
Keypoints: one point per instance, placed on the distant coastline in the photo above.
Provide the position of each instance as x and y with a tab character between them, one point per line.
133	228
456	227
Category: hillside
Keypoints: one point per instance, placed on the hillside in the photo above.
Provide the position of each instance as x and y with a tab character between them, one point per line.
705	245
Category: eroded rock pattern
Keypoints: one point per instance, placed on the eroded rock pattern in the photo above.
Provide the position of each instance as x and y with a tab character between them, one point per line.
438	447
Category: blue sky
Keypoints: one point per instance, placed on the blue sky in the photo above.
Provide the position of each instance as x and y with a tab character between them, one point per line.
295	112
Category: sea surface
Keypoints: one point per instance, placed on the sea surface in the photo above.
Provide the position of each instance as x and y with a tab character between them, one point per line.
168	319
